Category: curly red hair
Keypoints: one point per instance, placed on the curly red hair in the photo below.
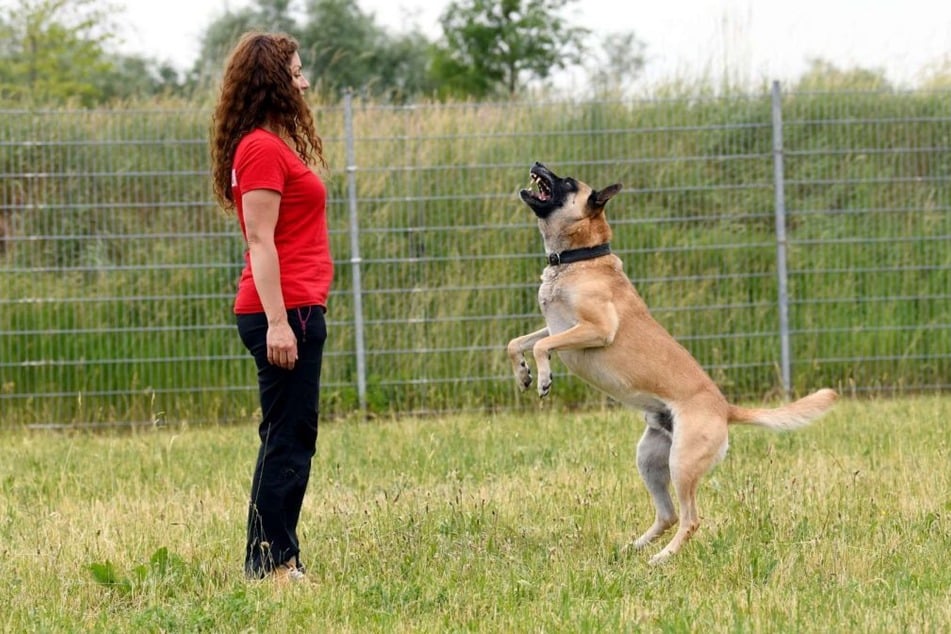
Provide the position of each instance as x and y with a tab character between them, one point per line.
258	89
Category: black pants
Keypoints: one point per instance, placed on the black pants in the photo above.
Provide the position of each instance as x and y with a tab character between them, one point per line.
288	433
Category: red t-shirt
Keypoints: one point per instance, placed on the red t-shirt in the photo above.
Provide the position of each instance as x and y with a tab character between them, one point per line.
264	161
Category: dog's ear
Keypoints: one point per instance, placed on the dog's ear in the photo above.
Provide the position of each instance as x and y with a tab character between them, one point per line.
599	198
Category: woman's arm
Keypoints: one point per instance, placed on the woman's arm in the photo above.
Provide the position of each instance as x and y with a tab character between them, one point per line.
260	218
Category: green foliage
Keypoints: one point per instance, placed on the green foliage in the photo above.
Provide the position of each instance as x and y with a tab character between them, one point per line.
117	286
347	49
937	75
162	568
57	51
132	77
618	63
491	48
341	48
53	51
823	75
222	34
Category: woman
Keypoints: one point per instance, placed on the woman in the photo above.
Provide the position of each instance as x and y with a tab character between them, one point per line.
264	145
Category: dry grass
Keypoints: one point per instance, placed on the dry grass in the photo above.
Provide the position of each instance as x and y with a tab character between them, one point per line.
501	525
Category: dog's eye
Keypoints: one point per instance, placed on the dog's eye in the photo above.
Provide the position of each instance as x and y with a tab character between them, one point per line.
571	184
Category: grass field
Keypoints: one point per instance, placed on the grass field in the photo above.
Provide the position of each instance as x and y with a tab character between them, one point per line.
508	524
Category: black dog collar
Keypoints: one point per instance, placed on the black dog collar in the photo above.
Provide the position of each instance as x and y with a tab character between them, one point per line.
577	255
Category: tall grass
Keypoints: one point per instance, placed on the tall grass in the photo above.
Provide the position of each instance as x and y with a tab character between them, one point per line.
513	523
117	279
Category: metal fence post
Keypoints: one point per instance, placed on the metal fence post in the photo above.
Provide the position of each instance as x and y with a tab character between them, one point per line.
355	260
781	272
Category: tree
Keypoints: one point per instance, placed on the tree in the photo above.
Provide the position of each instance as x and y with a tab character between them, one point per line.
53	50
343	44
348	49
223	33
494	46
341	47
619	63
132	76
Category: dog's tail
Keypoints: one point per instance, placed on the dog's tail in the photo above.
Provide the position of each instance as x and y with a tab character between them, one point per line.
791	416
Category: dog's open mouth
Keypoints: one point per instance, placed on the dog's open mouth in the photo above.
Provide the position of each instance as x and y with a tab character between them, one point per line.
545	192
540	189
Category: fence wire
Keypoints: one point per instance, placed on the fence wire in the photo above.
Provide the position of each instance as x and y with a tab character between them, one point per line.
117	270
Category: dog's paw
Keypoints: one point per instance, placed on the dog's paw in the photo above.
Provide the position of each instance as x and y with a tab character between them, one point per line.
660	558
544	384
523	375
639	544
628	549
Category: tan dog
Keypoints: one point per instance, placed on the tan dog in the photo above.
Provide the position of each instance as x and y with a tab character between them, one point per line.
603	332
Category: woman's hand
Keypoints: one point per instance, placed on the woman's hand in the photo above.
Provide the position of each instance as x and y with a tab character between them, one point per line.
281	345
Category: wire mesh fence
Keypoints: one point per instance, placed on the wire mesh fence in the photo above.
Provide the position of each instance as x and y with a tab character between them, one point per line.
789	241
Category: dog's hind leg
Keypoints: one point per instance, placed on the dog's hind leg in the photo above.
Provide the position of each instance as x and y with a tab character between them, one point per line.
699	443
653	456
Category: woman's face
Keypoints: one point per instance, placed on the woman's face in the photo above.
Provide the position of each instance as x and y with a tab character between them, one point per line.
300	82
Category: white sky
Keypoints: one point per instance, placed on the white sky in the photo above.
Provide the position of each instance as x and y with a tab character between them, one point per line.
754	40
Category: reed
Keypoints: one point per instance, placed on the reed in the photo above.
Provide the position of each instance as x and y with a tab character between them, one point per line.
117	284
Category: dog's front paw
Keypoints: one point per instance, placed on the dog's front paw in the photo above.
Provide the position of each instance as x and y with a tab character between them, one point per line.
523	375
639	544
544	384
660	558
